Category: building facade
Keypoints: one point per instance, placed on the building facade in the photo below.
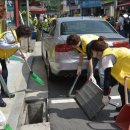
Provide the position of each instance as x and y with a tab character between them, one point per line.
12	12
82	7
95	7
124	5
2	17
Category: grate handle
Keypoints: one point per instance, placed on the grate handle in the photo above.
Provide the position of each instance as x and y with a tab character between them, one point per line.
125	90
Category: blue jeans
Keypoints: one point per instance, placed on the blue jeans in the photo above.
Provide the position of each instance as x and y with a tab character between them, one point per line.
123	33
100	71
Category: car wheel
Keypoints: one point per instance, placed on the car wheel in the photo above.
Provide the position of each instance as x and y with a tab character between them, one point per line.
43	57
50	76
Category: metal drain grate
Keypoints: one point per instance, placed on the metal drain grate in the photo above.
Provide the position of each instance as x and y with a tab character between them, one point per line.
89	98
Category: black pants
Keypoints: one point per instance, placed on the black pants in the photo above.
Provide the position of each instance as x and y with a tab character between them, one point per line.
4	71
129	36
121	91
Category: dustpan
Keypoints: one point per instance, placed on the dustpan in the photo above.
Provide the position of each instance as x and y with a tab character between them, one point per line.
89	97
123	119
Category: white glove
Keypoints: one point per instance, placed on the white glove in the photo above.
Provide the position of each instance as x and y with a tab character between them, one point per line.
105	100
17	46
91	77
93	80
2	119
79	70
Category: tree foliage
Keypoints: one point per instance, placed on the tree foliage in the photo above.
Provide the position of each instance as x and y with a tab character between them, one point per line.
52	4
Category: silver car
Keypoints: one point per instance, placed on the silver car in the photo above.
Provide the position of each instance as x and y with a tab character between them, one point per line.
61	59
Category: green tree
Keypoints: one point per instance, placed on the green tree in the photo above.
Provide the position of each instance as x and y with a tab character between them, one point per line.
52	4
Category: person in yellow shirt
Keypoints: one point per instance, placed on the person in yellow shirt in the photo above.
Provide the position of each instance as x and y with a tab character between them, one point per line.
116	65
9	46
83	45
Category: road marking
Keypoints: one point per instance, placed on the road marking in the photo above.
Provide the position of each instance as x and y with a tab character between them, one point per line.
71	100
115	97
54	101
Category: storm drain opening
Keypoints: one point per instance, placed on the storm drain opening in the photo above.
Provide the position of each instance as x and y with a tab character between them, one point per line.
36	112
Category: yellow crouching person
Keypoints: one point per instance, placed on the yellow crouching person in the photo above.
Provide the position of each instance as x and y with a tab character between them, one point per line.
116	65
9	44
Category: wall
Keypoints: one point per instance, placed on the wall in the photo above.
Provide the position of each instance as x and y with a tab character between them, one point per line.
2	16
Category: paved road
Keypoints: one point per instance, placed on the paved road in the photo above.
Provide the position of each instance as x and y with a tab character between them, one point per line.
65	113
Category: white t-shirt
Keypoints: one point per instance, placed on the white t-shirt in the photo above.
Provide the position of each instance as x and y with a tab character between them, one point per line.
7	41
107	61
121	22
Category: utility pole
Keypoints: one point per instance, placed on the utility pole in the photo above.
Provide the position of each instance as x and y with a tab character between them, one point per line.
81	1
115	7
28	39
80	10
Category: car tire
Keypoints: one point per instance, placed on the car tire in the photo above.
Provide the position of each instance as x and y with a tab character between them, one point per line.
42	53
50	75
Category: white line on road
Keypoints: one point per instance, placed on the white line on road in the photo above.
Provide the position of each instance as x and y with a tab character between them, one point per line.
71	100
115	97
54	101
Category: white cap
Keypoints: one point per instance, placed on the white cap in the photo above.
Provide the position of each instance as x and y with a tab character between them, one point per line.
125	15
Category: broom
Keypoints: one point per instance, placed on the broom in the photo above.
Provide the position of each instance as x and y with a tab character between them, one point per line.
36	78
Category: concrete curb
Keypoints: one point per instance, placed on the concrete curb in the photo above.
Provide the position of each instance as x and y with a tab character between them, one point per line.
18	104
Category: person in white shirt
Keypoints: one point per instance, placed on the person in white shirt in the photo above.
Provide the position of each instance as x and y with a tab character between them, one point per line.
115	62
121	24
9	46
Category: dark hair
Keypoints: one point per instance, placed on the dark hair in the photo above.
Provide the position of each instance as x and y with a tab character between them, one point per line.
73	39
99	45
23	31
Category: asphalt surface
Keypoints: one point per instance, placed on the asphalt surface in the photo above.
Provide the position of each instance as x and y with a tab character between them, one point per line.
66	114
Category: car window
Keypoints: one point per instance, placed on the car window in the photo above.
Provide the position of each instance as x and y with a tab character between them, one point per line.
85	27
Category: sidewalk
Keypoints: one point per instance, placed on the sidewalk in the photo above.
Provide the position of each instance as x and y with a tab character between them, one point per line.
18	75
17	83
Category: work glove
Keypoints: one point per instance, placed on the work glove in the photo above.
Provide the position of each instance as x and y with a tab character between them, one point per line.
17	46
105	100
79	70
91	78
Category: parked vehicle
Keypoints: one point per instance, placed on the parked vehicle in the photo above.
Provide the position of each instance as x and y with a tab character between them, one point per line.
111	20
61	59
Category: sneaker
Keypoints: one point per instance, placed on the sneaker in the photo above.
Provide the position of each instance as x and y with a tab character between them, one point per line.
118	108
11	95
2	103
